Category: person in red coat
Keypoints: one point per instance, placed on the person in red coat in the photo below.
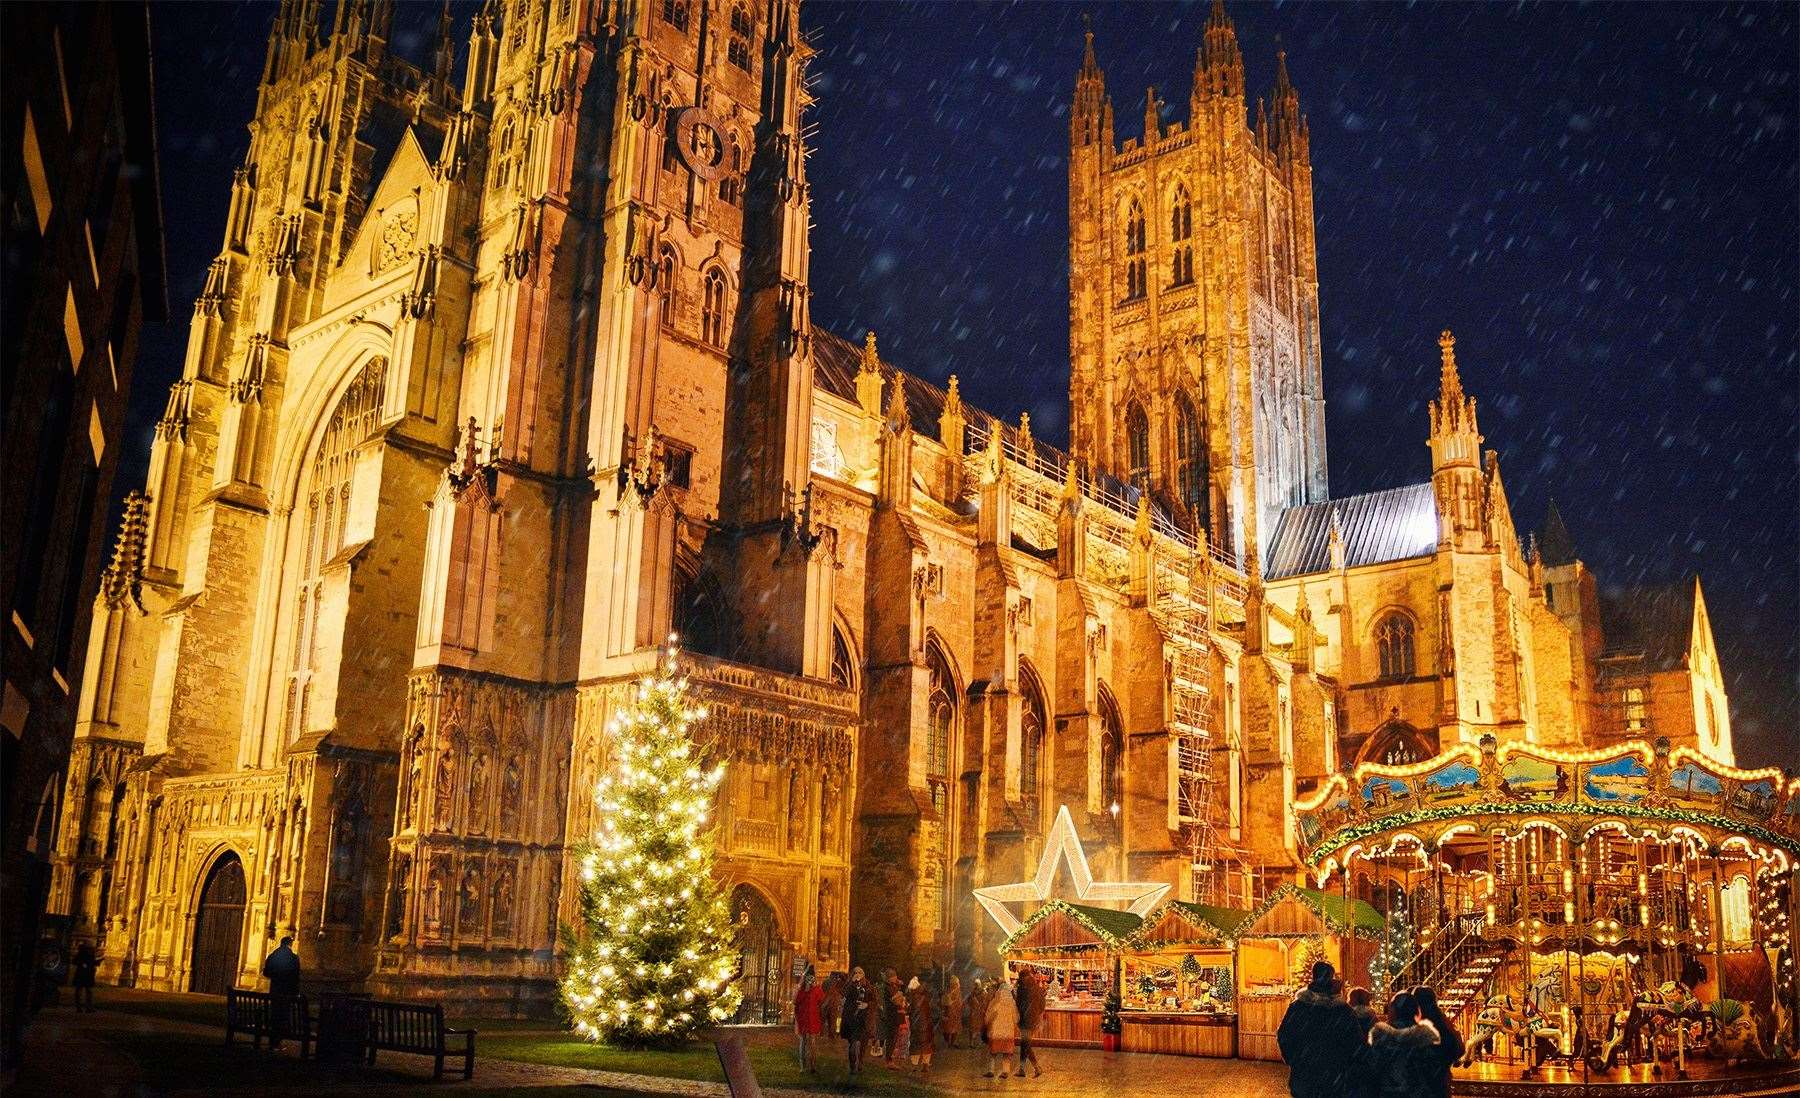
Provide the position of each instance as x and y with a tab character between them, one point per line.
807	1019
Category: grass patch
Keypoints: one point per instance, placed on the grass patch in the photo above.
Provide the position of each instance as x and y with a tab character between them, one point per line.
770	1054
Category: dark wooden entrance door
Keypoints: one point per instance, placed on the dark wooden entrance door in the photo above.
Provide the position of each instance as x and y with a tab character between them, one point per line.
219	928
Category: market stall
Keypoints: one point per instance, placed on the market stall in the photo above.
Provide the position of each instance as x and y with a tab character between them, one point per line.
1276	947
1074	948
1178	988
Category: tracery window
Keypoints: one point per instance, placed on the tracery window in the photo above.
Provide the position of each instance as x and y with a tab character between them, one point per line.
507	162
712	311
1394	641
1636	708
1137	445
675	13
1032	725
737	51
1181	233
1190	459
1136	283
941	715
317	524
843	669
731	185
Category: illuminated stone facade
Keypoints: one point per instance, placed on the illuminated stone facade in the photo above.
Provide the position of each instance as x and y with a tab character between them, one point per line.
496	382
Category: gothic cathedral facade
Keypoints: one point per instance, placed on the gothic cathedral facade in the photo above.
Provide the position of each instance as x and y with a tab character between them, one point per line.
501	378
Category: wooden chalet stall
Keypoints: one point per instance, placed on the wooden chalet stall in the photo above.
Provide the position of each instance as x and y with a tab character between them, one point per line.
1278	942
1076	948
1178	984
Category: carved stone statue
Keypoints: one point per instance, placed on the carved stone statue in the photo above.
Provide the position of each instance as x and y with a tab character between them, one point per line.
476	814
445	790
512	796
468	914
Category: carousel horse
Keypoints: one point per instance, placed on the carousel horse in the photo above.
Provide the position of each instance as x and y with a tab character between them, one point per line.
1672	1012
1737	1039
1620	1042
1498	1015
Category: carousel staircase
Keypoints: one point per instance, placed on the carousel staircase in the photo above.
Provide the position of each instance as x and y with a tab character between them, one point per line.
1470	983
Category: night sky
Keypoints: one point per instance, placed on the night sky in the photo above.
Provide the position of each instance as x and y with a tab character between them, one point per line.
1601	201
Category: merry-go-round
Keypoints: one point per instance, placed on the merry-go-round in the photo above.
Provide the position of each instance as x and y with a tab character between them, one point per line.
1588	920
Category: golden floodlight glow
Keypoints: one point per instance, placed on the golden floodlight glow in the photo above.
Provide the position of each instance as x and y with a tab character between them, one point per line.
1061	846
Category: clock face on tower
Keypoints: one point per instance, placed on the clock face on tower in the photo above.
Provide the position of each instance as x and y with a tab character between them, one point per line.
699	142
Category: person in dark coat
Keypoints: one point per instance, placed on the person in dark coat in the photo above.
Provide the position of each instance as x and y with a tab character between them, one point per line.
1359	1080
1450	1043
1031	1000
1317	1036
282	968
1404	1057
853	1026
86	964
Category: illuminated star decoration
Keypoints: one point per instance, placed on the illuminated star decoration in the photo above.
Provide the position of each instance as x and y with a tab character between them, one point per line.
1063	845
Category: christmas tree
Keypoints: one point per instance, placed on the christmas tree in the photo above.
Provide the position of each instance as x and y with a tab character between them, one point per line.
1390	957
652	958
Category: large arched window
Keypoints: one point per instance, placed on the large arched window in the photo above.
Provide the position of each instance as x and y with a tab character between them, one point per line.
700	614
1394	640
1032	725
941	716
1190	459
1137	445
712	311
1136	285
1112	753
317	527
1181	235
675	13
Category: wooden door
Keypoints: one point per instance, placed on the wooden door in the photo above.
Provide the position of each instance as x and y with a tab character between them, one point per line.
219	927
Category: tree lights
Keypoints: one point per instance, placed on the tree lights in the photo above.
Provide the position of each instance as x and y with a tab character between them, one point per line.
652	958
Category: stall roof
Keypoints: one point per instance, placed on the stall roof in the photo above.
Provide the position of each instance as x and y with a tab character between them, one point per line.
1331	911
1109	928
1210	922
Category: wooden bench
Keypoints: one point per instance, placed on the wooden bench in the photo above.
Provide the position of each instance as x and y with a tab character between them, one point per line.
271	1017
411	1027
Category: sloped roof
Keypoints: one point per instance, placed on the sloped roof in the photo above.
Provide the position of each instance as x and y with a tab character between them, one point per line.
1222	921
1109	927
1394	524
1359	914
1654	623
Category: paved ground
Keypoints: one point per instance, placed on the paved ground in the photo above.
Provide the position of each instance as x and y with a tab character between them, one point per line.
119	1054
1085	1073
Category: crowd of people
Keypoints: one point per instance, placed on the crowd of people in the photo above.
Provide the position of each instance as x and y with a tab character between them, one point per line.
901	1025
1335	1045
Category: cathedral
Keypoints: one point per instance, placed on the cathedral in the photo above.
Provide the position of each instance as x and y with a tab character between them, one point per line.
504	373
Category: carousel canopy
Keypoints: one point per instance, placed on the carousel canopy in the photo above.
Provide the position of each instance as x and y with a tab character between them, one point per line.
1636	787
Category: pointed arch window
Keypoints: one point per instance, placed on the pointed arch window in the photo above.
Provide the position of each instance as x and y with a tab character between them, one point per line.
1136	283
666	266
675	13
1394	642
843	667
317	524
1190	459
1032	726
1181	235
1112	753
712	311
731	184
737	51
941	721
506	164
1137	445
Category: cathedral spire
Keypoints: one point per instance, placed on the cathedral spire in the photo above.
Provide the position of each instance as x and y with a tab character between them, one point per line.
1455	442
1090	123
1452	406
443	52
1152	117
1219	69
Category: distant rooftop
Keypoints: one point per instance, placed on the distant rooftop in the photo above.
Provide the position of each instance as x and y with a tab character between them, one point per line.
1652	622
1376	527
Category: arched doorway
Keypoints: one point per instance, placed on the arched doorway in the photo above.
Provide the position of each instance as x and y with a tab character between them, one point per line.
219	927
762	973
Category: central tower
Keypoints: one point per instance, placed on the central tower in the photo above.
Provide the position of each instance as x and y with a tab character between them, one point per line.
1194	300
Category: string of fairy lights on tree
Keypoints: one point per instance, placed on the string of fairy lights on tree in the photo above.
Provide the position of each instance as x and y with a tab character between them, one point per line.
651	958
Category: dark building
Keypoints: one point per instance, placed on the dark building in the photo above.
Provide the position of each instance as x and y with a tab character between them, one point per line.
83	271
